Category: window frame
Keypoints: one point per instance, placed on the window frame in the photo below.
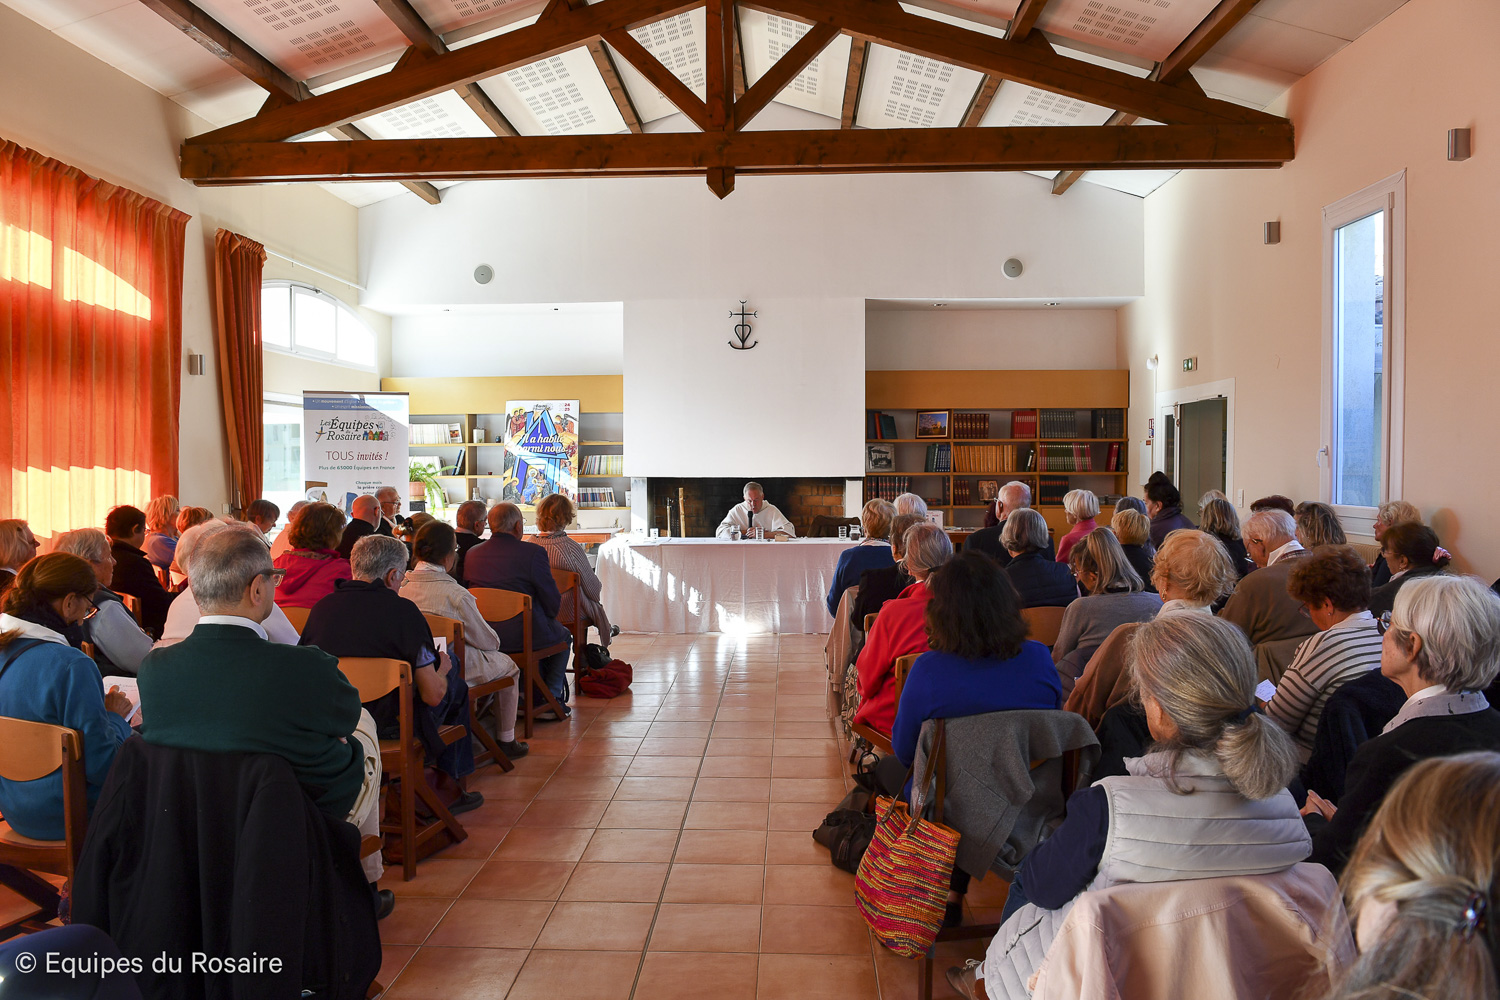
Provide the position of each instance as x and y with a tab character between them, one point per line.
1388	196
340	307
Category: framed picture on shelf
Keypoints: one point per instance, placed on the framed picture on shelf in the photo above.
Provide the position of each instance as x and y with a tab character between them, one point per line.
932	423
989	489
880	458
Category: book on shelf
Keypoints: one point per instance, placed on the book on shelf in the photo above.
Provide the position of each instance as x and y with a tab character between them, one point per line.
879	426
596	496
971	425
1051	490
1023	424
604	465
1059	423
886	487
429	433
1108	423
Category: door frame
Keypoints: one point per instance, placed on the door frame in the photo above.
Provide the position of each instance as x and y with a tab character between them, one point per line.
1167	400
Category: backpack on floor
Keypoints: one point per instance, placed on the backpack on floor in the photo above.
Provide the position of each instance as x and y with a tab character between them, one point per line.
847	831
595	656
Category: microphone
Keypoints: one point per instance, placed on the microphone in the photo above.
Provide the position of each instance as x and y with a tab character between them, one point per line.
751	511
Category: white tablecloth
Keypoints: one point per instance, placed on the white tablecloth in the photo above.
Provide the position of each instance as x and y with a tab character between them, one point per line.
681	585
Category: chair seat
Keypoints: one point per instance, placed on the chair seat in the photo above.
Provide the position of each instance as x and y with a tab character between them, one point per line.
10	836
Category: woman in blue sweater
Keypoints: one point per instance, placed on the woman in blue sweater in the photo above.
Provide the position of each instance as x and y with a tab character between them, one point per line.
872	553
43	679
980	661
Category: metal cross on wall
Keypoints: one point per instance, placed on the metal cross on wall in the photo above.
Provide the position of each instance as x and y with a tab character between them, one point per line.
742	329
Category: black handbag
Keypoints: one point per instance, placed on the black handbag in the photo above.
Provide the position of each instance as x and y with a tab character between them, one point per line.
847	831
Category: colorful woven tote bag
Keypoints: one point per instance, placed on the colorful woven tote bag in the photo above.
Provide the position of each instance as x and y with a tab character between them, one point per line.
901	888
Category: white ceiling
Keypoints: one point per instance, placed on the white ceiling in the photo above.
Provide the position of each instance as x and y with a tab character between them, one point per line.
331	43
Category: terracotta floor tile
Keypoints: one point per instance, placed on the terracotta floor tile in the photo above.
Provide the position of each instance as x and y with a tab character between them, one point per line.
553	975
714	884
794	847
534	765
435	877
808	885
814	930
632	845
684	730
745	715
795	816
898	976
563	812
543	844
545	742
821	790
491	923
605	726
655	789
616	882
597	926
707	927
589	767
664	767
727	816
802	713
666	746
743	730
738	748
807	767
801	977
503	879
598	787
393	958
412	920
686	713
723	847
441	973
732	790
506	787
805	748
478	845
678	976
629	815
606	747
736	767
803	730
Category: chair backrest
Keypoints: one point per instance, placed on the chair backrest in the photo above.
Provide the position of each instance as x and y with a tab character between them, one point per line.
133	605
32	750
497	605
298	617
903	667
567	586
1043	624
165	577
870	622
89	649
375	677
452	630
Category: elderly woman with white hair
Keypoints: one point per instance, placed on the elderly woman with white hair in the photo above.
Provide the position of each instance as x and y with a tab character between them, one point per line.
1080	507
1040	582
1387	516
900	628
910	503
184	613
1442	646
119	643
873	551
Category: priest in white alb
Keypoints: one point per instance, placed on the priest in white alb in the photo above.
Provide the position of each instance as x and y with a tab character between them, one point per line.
755	513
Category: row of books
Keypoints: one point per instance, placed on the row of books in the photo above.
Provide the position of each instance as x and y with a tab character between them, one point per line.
1065	458
603	465
1108	423
993	458
599	496
1051	490
939	458
880	426
886	487
436	434
971	425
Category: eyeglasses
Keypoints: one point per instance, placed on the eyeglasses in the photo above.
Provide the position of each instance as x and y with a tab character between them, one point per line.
276	575
1383	623
1304	611
92	612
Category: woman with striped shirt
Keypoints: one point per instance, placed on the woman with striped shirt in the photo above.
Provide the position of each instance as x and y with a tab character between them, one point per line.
553	515
1333	586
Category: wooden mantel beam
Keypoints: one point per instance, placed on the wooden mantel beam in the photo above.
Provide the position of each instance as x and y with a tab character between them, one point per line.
831	151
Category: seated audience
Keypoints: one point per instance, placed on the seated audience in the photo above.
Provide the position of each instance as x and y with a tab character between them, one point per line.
1261	606
1317	524
134	575
1134	533
553	515
1387	516
1443	649
1333	585
367	616
431	587
1080	507
507	562
1013	496
283	540
872	552
161	531
43	679
263	514
313	565
1274	502
1221	520
364	519
17	546
1411	552
910	503
1421	886
900	629
877	586
1038	580
1210	800
1130	503
469	520
1114	595
1191	571
187	518
119	643
227	689
389	500
1164	507
185	612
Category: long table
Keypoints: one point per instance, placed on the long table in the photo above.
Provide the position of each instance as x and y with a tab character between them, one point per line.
685	585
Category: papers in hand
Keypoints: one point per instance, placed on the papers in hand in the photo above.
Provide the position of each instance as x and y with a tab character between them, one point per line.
1265	691
130	687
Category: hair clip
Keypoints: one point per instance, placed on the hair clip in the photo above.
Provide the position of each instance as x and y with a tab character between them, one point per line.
1241	717
1474	913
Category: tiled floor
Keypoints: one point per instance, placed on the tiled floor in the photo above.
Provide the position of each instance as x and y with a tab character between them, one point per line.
657	846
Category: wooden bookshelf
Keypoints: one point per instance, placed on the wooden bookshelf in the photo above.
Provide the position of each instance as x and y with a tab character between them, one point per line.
1000	395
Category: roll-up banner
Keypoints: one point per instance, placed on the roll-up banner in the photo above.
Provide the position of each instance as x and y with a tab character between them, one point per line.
353	443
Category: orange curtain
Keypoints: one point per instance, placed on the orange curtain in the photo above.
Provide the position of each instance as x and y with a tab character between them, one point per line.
90	343
238	262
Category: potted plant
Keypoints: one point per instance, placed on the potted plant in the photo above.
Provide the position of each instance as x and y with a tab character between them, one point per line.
424	482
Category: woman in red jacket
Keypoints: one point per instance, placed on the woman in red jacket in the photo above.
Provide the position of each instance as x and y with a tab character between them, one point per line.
312	565
900	629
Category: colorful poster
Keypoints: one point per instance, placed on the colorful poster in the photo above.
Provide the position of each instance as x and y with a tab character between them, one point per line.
353	443
541	450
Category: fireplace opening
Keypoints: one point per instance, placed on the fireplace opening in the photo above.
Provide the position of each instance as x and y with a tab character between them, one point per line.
705	501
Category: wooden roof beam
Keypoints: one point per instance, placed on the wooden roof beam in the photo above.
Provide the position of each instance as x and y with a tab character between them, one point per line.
663	79
983	98
1202	38
429	43
854	81
785	69
1025	19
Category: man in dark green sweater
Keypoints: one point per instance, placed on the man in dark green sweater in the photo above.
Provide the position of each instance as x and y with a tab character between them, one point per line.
227	689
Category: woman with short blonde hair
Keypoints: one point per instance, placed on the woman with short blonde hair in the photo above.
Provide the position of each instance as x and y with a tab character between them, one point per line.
1080	507
1220	519
1133	529
872	552
161	531
1387	516
553	515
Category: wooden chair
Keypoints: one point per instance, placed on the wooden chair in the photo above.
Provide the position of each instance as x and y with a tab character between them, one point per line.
880	741
29	751
452	630
165	577
298	617
870	622
570	616
502	605
133	605
401	760
1043	624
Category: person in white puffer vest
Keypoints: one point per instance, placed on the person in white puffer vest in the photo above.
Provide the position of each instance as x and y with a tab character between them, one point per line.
1209	800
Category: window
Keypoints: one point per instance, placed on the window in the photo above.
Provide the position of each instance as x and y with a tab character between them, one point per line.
283	459
302	320
1364	257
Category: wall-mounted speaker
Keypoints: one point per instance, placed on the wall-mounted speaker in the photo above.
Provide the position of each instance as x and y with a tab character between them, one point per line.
484	274
1271	234
1012	267
195	364
1459	143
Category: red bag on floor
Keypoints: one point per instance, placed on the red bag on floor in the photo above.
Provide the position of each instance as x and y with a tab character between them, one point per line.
610	680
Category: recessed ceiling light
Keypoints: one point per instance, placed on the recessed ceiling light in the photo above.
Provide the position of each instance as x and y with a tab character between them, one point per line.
1054	303
939	305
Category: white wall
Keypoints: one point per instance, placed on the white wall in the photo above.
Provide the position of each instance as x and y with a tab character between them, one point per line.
790	406
938	339
504	340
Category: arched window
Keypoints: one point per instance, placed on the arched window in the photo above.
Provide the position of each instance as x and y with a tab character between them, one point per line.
305	321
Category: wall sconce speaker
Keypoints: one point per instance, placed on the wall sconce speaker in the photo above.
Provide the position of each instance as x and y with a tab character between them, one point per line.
195	364
1271	234
1012	268
1459	140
